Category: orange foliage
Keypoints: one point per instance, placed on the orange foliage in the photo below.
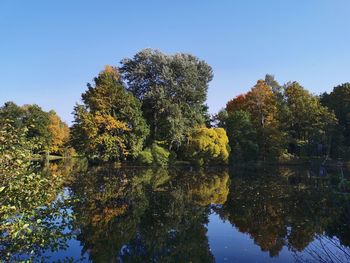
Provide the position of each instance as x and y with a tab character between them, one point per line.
59	133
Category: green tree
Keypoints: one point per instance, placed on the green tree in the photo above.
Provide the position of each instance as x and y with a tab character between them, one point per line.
173	89
339	101
31	117
109	125
309	123
242	136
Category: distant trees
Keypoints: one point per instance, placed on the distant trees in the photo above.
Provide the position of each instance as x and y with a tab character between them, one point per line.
46	129
271	121
309	123
256	111
152	110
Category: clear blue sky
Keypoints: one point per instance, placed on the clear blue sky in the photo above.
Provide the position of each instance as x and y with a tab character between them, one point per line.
49	50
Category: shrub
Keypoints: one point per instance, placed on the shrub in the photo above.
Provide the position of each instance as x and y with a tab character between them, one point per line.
145	157
160	155
208	146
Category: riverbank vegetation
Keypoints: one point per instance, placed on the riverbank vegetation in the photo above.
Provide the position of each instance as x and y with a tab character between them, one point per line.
152	110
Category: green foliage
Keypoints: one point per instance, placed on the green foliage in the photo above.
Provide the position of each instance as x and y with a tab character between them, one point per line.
173	90
145	157
28	210
339	102
110	125
46	128
208	146
242	136
160	155
309	123
277	119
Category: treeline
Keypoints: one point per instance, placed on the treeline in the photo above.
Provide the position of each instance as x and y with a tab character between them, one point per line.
151	109
281	122
45	130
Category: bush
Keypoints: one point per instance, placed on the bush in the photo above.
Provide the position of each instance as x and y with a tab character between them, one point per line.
145	157
208	146
160	155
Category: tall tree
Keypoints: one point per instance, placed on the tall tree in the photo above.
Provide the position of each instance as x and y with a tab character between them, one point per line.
173	89
109	125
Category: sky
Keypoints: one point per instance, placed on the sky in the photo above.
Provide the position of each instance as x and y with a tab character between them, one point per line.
50	50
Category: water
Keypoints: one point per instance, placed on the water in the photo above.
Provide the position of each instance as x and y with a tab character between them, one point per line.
278	214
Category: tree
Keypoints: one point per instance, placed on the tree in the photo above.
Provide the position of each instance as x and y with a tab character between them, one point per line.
242	136
37	121
46	128
99	136
339	102
59	133
31	117
173	90
261	104
109	125
208	146
309	123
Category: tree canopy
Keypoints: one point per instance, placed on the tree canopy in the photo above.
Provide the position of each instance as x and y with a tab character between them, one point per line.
173	91
109	125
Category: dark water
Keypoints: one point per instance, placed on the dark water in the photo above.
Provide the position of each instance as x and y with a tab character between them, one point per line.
277	214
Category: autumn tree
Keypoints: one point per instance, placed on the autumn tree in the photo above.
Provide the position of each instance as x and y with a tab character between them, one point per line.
173	90
261	105
59	133
109	125
208	146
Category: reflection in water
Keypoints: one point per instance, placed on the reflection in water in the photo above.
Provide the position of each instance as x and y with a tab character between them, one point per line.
161	215
146	215
278	211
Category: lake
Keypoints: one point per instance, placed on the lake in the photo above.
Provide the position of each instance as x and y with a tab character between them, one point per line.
135	214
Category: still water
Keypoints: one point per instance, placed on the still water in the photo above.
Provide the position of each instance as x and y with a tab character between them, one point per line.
134	214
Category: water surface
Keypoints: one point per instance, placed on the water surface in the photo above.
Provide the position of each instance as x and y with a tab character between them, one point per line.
134	214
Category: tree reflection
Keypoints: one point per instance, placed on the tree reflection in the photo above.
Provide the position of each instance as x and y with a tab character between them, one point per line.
146	215
284	207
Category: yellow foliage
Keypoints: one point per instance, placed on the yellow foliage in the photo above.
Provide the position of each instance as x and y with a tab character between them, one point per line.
212	190
112	71
209	145
108	123
59	133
